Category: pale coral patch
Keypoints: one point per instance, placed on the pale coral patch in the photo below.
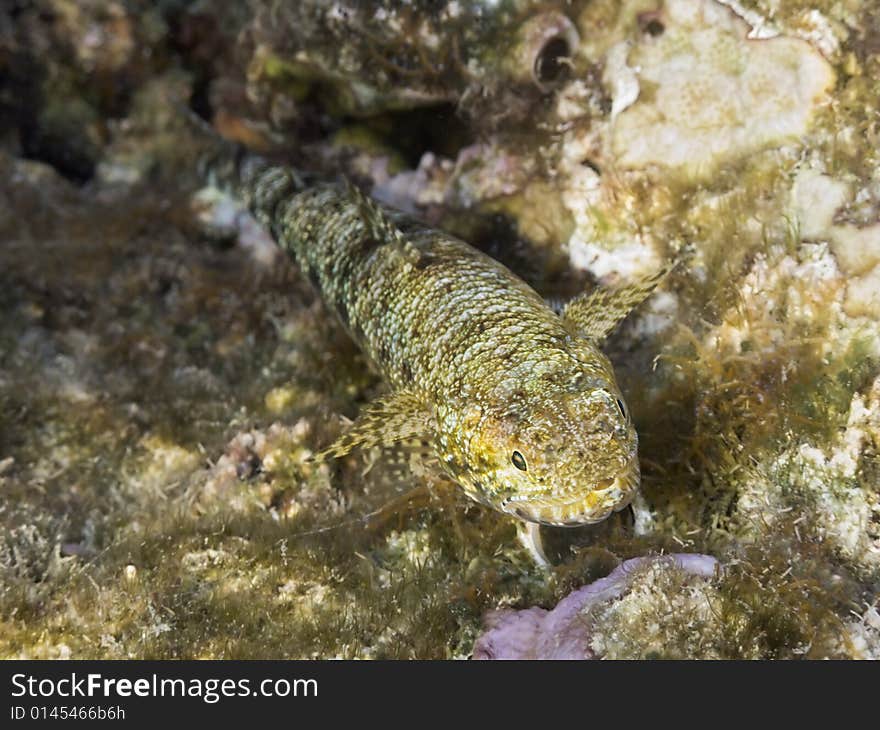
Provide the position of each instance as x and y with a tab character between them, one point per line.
817	198
715	94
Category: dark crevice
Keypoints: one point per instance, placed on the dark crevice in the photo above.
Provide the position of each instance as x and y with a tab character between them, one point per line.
655	28
551	64
436	129
21	101
200	101
192	40
651	24
586	162
57	150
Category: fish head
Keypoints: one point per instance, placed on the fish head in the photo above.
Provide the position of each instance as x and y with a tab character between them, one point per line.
553	450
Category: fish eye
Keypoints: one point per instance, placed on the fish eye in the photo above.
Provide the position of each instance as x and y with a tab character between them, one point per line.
621	408
518	461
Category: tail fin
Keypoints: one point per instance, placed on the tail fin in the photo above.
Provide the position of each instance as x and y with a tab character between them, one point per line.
250	177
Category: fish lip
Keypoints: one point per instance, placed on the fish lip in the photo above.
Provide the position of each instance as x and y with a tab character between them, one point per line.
626	483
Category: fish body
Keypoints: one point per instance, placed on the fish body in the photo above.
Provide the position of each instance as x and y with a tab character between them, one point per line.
518	404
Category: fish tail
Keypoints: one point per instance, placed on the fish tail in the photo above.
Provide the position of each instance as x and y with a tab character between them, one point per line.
252	178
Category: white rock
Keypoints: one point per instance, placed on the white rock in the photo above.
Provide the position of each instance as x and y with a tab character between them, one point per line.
716	94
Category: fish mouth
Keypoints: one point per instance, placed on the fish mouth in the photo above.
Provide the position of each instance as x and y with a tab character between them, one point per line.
583	507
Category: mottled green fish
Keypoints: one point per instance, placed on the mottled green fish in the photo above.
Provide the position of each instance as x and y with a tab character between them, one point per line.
517	402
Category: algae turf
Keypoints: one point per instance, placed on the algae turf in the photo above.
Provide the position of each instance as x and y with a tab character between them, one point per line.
763	606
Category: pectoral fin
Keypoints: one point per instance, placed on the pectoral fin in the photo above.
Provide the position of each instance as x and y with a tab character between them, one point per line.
389	420
595	314
529	535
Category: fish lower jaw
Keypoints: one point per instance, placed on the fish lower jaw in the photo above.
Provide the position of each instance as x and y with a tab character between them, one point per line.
609	496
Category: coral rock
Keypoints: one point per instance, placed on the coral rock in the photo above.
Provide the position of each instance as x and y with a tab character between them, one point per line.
565	632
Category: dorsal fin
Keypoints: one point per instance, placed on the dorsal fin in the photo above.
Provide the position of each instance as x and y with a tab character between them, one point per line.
383	230
380	226
595	314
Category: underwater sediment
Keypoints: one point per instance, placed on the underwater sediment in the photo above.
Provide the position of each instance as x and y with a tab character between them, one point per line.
166	376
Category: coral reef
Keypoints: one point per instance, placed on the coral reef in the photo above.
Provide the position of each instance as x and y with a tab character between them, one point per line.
165	375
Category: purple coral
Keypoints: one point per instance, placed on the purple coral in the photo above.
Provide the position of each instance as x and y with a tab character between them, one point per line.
565	632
